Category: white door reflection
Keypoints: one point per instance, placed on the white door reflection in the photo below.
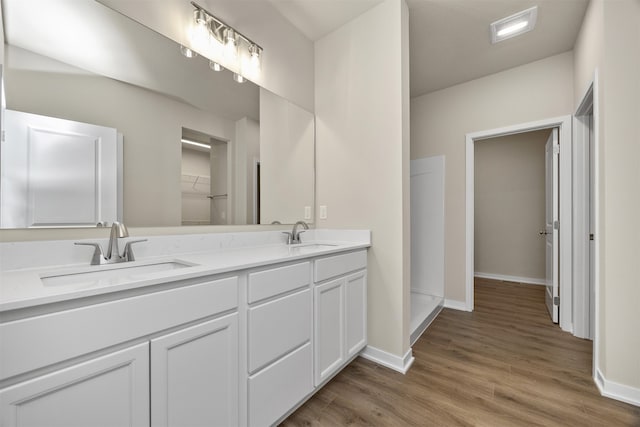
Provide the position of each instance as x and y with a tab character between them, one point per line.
59	173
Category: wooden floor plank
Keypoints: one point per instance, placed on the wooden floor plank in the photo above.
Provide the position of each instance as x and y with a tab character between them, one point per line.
505	364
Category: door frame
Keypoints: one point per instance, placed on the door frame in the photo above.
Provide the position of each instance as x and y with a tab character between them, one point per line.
588	104
564	124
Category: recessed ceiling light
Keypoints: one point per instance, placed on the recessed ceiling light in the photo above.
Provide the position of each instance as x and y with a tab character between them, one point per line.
514	25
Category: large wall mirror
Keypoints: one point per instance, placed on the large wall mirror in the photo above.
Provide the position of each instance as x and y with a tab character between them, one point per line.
195	147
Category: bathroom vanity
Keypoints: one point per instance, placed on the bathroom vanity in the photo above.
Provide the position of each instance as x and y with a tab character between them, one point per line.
231	336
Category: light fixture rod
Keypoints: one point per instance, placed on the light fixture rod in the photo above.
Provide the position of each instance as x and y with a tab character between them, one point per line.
222	23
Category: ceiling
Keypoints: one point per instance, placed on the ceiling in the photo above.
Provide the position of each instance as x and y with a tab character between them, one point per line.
449	39
317	18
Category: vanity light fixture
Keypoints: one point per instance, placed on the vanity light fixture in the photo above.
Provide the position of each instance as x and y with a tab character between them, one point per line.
194	143
188	53
215	66
238	78
513	25
223	44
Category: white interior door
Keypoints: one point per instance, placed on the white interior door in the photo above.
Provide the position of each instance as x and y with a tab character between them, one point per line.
427	226
552	151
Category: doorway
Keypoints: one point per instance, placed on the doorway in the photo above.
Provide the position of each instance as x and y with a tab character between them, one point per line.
564	226
584	232
204	179
511	228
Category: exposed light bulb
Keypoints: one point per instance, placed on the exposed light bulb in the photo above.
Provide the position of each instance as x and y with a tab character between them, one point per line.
230	46
215	66
254	62
200	16
238	78
187	52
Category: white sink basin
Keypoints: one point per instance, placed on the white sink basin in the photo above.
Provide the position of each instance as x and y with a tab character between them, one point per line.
114	273
310	247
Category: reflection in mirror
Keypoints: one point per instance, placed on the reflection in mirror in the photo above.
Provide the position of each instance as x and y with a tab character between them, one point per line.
110	71
59	173
204	179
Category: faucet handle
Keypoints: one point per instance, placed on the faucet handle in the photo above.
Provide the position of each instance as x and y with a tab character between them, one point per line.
98	256
289	236
128	250
296	239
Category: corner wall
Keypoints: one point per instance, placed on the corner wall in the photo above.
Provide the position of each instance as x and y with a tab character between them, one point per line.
620	275
362	160
608	42
440	120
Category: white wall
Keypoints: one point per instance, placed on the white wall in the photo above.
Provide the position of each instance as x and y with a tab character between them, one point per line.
1	37
440	120
510	205
362	155
286	160
246	151
287	67
608	42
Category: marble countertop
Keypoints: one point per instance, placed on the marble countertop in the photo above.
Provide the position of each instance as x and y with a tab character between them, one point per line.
22	288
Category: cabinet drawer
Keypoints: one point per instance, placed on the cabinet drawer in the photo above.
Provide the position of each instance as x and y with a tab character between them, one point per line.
277	389
278	327
59	336
326	268
268	283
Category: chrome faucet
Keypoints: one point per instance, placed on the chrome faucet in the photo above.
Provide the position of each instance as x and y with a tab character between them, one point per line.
294	235
118	231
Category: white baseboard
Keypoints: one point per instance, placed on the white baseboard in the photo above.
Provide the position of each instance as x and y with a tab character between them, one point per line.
456	305
391	361
617	391
506	278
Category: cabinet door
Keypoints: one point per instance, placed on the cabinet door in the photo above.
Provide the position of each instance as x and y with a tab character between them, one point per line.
194	375
329	329
111	390
355	290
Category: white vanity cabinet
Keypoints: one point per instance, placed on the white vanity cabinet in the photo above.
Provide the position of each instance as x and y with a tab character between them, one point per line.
240	347
111	390
340	312
181	367
279	329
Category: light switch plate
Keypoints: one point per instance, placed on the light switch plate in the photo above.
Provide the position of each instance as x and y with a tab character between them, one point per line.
323	212
307	212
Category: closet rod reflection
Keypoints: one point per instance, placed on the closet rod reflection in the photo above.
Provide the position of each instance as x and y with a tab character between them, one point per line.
217	196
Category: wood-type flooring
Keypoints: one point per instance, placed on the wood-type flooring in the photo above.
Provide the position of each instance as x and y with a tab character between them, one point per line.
505	364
